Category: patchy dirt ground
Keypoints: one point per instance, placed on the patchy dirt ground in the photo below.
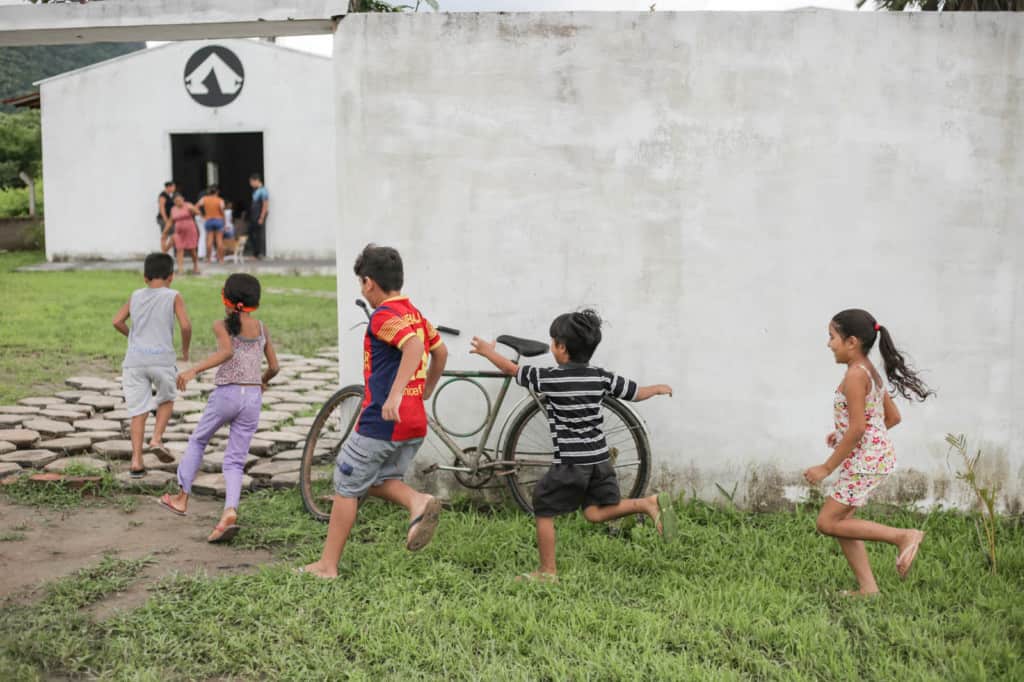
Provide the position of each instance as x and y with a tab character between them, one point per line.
41	545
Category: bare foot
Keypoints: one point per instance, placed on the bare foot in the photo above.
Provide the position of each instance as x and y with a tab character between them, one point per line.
179	501
649	506
908	552
537	577
316	569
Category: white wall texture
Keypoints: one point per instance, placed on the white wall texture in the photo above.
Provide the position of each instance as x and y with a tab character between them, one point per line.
107	147
718	185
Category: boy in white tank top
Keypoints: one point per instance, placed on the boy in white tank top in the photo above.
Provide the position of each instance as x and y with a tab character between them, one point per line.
149	363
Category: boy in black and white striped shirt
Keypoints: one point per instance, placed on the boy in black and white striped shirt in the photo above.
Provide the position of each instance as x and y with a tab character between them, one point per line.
581	474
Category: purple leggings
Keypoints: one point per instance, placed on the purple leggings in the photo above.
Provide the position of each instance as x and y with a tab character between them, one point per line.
233	403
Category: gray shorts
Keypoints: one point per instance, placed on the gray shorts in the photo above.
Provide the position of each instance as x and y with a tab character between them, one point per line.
139	384
365	462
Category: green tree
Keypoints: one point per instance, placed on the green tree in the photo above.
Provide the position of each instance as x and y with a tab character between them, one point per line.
21	147
948	5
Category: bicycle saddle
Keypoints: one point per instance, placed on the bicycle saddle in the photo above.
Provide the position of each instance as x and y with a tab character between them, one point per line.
524	347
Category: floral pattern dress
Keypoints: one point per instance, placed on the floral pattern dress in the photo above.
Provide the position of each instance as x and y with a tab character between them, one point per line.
873	458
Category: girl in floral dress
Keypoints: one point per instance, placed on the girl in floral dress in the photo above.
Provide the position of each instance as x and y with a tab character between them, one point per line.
861	449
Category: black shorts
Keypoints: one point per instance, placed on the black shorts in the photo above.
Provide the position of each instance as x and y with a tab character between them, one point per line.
568	487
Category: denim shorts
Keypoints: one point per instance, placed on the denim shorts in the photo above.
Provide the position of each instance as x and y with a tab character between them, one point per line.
365	462
140	384
214	224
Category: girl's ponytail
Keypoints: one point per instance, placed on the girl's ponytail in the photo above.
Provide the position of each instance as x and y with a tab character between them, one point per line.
904	378
241	293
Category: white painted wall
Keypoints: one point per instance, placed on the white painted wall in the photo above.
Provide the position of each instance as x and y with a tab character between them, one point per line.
107	147
718	185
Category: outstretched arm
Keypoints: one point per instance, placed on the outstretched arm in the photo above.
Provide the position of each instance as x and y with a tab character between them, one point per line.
185	324
645	392
223	353
488	349
119	319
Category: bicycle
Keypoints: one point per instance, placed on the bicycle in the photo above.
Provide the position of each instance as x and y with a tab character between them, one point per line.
521	453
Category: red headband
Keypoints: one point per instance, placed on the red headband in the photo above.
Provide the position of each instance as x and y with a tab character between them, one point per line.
239	306
877	326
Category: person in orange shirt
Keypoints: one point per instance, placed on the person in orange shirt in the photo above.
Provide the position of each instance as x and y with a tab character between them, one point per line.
212	206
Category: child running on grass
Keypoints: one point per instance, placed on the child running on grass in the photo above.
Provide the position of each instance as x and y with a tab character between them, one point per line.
242	342
393	421
864	412
149	363
581	474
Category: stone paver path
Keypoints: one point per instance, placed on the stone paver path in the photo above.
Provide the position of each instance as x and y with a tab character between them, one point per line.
87	425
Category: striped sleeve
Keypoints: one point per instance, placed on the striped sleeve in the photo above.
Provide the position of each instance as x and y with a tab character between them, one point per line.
529	377
390	328
620	387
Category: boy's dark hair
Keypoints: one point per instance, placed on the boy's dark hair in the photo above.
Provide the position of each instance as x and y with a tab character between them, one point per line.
158	266
383	265
213	189
169	183
579	332
256	176
862	325
240	289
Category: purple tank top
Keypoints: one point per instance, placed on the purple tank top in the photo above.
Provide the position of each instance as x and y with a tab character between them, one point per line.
244	365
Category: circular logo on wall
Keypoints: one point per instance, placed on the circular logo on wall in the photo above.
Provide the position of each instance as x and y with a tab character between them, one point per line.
214	76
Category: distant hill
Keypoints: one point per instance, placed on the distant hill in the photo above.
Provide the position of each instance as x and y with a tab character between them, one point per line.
20	66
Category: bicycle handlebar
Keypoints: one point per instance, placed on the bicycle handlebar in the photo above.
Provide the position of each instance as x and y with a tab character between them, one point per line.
441	328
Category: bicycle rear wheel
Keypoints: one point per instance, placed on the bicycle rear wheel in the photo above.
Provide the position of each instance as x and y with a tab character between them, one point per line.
529	450
332	426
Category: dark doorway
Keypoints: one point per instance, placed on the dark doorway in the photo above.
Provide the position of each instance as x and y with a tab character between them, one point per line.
225	159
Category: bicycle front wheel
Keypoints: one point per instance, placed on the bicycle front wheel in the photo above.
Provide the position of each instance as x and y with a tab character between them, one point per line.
529	450
331	428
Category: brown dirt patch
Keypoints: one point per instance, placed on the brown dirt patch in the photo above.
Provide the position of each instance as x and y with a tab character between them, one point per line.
58	543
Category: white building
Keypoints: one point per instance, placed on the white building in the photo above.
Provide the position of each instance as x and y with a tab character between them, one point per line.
200	113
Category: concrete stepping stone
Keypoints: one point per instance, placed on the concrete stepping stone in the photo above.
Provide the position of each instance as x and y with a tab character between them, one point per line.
113	449
304	421
73	396
291	408
67	444
35	459
192	418
213	484
67	416
177	436
48	428
319	377
289	357
8	469
299	430
286	396
152	462
92	384
6	447
275	415
286	480
37	402
118	415
20	438
98	425
267	425
59	465
270	399
212	463
187	406
18	409
262	448
154	480
99	436
271	469
281	437
294	455
8	420
318	396
102	403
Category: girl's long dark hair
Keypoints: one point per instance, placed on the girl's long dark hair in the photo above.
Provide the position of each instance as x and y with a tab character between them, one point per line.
862	324
243	291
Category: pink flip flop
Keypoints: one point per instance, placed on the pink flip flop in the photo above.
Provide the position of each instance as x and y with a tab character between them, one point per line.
223	533
165	502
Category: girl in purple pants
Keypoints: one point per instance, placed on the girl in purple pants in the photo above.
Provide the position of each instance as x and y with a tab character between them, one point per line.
242	341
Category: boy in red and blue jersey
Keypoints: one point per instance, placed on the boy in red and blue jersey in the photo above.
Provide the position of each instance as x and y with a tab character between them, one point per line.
403	357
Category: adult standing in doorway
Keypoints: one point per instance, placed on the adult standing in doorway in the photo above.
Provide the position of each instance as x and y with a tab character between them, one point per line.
164	202
258	210
186	233
212	206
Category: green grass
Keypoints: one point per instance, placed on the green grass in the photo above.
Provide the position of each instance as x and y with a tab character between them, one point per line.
56	325
741	596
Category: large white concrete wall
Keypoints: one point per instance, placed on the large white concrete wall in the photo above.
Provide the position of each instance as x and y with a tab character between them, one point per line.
718	185
107	147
